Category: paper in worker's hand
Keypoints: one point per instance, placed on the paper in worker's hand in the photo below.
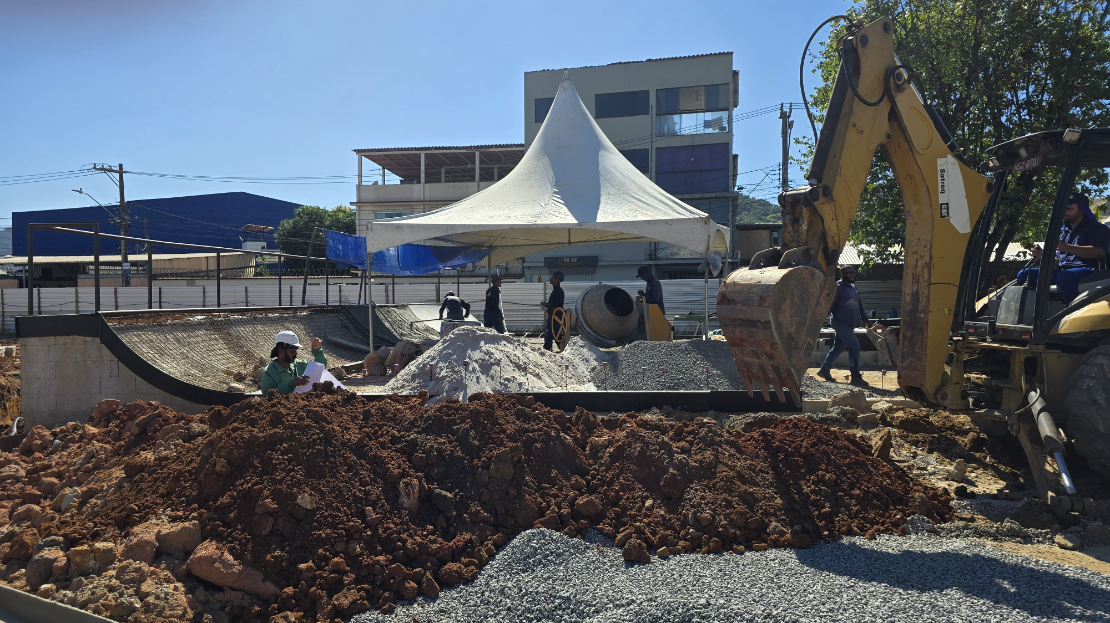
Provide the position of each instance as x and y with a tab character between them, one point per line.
317	373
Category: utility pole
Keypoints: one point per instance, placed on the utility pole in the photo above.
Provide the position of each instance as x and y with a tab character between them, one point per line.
124	224
787	126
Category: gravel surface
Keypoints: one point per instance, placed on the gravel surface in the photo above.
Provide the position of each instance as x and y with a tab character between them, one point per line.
683	364
544	576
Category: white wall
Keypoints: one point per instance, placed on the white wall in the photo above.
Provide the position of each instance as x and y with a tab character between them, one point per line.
62	378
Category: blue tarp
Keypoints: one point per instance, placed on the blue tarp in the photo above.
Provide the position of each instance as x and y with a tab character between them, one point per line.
404	260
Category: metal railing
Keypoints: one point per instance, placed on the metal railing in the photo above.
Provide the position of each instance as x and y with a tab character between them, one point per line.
72	228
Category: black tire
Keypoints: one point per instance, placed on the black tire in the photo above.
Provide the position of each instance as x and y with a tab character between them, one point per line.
1088	403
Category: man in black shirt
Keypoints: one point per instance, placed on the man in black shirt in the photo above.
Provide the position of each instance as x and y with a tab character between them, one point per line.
494	314
457	309
555	301
653	290
1083	245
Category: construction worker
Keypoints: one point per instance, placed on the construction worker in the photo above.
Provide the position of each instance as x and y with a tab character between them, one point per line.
285	372
553	302
847	314
494	314
653	290
1082	247
457	309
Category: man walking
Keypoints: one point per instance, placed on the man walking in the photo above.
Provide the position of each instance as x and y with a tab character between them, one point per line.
457	309
494	314
847	314
555	301
285	373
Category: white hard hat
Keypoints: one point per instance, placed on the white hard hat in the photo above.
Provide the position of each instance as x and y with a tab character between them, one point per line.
288	338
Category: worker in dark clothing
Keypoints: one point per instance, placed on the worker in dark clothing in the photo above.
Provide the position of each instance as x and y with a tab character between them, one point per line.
847	314
553	302
653	291
494	314
457	309
1082	247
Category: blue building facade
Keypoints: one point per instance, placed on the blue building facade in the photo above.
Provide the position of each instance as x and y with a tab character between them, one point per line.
215	220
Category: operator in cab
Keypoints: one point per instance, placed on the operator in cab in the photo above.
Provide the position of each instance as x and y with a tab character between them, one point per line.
285	372
1083	245
653	290
457	309
553	302
847	314
494	314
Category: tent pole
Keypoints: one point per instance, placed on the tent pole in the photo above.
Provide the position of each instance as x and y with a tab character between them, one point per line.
705	324
370	307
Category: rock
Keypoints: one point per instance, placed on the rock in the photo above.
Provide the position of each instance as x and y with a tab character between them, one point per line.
409	489
41	567
142	543
587	506
663	553
103	408
307	501
673	484
124	608
82	561
23	545
867	419
854	398
210	561
450	574
881	444
429	587
881	407
636	550
105	554
1013	528
251	581
65	499
37	440
179	537
1068	541
760	547
407	590
31	512
443	501
1099	531
12	472
959	470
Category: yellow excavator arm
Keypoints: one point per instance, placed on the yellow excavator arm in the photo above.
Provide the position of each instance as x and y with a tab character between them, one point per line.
771	312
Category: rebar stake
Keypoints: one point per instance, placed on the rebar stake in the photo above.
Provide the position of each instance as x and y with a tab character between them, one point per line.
605	366
643	376
882	380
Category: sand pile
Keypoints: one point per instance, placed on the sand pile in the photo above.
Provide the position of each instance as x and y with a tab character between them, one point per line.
326	504
472	360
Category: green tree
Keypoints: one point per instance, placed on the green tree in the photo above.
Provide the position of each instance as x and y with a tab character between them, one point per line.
995	70
752	210
293	235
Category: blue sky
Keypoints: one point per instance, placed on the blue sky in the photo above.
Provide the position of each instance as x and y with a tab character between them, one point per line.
283	89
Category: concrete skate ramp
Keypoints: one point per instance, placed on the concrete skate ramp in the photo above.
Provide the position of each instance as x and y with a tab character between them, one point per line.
395	323
208	349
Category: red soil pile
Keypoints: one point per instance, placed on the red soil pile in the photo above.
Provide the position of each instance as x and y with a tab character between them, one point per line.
329	504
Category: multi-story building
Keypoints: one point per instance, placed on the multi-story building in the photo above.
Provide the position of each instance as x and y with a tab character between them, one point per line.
671	117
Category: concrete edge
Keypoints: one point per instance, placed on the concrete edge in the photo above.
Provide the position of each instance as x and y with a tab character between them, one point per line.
819	405
17	606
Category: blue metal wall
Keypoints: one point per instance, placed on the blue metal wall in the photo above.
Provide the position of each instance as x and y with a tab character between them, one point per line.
215	220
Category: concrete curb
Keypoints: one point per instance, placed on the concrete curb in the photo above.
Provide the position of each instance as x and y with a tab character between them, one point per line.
819	405
19	607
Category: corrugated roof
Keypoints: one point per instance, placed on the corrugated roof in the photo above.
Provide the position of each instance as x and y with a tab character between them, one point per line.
378	150
646	60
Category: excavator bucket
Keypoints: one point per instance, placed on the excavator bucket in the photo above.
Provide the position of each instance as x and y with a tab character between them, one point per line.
771	318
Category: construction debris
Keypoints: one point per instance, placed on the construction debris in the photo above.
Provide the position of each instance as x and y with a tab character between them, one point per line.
326	503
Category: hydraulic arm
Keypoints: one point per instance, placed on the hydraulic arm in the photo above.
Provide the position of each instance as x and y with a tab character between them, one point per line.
771	312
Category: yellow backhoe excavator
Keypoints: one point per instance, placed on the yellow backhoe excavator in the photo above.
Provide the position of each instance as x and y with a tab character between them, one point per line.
1022	358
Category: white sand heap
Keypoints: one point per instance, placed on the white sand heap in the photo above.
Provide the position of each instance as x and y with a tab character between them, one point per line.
477	359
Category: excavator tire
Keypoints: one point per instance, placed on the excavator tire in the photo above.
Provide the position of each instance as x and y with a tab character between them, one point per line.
1088	403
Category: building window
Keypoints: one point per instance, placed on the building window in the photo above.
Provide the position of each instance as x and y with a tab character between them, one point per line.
693	169
639	158
377	216
626	104
692	110
543	104
716	207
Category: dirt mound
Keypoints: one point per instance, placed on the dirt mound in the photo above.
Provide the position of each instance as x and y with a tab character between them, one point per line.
329	504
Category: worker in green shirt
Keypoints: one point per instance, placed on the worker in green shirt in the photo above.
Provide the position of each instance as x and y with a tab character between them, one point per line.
285	373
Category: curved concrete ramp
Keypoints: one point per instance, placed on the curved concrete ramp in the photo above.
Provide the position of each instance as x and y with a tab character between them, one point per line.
207	350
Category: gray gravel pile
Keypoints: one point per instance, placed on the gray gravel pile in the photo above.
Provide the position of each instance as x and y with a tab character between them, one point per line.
683	364
545	576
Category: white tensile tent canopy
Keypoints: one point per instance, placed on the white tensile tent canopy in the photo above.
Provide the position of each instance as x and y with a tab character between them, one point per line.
571	187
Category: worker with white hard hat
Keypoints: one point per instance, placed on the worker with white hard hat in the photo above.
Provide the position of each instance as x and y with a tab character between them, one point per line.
285	372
